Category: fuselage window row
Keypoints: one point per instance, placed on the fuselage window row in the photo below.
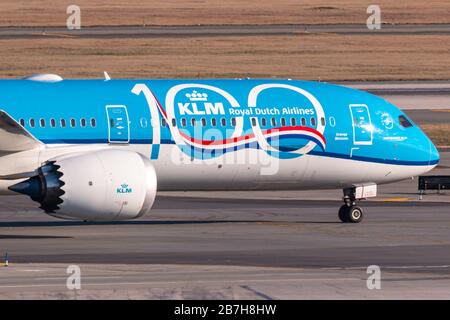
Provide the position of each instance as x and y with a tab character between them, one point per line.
183	122
263	121
62	123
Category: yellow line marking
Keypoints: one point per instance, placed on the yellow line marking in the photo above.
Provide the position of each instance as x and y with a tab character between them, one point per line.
393	200
327	33
440	110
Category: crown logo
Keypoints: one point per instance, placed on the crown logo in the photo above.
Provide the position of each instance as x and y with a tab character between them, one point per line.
124	185
197	96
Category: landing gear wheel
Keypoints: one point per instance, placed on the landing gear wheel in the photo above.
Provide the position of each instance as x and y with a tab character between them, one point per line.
352	214
342	213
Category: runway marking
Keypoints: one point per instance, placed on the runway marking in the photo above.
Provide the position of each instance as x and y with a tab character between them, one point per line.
183	282
84	277
272	275
392	200
387	267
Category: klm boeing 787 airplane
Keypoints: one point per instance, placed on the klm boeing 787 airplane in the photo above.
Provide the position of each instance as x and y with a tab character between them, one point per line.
101	149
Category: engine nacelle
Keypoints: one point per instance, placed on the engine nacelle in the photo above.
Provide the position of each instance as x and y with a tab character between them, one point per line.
99	185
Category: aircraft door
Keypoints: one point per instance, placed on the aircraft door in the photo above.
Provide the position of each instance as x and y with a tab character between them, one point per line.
118	124
362	125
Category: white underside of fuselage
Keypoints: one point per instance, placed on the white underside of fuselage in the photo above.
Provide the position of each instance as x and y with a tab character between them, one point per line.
249	169
255	169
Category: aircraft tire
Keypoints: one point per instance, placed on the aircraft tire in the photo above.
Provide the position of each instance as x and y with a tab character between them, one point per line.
354	214
342	213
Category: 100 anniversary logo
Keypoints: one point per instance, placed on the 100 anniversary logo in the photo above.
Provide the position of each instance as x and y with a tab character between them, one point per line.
230	130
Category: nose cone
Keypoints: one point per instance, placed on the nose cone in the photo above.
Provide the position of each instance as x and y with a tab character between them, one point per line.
434	154
31	187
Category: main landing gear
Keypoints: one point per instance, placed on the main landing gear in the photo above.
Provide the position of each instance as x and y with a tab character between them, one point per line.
350	212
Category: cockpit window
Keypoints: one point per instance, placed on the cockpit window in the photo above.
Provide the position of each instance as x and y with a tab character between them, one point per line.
404	122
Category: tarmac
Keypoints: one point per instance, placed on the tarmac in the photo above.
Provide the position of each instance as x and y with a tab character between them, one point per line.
229	245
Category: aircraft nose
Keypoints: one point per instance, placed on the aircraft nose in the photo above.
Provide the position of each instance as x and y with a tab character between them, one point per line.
434	154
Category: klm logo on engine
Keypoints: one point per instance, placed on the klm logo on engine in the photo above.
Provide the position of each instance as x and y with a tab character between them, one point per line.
198	105
124	188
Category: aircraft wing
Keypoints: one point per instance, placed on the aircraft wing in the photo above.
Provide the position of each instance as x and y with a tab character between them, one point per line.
14	137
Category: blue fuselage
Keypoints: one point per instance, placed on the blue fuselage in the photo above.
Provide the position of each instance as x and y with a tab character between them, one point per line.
208	118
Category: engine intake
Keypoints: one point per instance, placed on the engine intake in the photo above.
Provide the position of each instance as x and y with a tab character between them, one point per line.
101	185
45	188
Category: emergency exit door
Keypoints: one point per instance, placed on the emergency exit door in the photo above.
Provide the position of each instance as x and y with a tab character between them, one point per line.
118	124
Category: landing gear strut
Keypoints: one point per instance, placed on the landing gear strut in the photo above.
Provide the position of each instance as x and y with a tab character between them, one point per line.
350	212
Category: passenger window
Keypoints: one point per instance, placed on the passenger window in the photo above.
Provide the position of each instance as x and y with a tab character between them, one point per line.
163	122
273	122
183	122
253	122
263	122
22	122
193	122
174	122
283	122
213	122
233	122
405	123
203	120
52	123
322	121
303	122
83	122
313	122
63	123
32	123
224	122
94	123
73	123
293	122
42	123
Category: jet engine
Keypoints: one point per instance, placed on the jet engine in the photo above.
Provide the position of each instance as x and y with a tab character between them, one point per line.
102	185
